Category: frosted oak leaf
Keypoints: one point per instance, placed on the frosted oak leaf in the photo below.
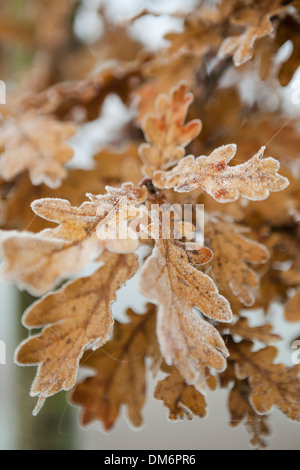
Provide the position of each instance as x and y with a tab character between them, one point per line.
37	144
253	179
186	340
166	132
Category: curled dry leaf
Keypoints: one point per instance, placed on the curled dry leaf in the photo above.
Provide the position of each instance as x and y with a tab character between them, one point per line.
37	144
183	401
257	22
119	372
166	132
232	252
40	261
253	179
75	317
186	340
271	384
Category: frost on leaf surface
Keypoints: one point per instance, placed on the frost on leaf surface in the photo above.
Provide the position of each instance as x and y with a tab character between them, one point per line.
74	317
253	179
186	340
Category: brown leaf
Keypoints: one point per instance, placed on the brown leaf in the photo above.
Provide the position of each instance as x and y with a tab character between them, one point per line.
253	180
123	165
183	400
39	261
271	384
291	277
261	333
166	132
198	37
36	144
186	341
87	94
112	167
119	372
257	22
75	317
232	251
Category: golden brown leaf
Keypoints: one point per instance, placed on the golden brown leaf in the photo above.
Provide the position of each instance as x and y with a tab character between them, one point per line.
271	384
241	410
40	261
292	307
253	180
166	132
36	144
261	333
119	372
183	401
232	251
111	168
75	317
257	22
186	341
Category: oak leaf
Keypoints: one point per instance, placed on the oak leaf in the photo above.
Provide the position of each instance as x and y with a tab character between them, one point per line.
257	23
242	328
119	372
186	340
166	132
232	251
183	400
75	317
271	384
37	144
39	261
112	167
198	37
253	179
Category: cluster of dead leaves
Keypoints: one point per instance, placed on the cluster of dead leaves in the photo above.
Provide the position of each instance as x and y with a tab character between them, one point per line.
194	335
